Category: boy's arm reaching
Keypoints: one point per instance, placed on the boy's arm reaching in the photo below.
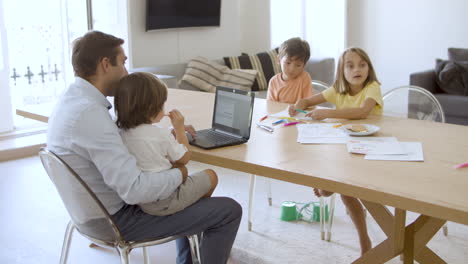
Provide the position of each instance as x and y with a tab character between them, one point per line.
305	103
346	113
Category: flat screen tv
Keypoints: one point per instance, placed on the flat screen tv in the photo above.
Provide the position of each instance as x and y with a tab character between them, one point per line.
163	14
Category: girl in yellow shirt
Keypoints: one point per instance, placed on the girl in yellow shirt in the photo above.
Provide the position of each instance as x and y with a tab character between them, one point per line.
356	94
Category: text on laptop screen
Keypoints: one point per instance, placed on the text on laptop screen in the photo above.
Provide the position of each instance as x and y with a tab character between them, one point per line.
232	113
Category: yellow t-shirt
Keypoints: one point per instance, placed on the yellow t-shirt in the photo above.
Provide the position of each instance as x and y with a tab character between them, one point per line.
341	101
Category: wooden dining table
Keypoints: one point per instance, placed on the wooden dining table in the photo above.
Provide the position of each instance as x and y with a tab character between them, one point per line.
433	188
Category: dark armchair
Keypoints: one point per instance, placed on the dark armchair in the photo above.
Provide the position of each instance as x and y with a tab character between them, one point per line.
455	106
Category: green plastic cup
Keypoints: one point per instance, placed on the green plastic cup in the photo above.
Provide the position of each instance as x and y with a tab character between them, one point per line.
288	211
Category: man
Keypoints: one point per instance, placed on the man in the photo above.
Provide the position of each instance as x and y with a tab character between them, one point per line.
83	133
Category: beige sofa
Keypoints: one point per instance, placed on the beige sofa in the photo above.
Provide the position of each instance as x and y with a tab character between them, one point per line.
319	69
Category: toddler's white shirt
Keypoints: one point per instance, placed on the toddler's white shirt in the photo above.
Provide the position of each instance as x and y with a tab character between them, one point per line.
153	146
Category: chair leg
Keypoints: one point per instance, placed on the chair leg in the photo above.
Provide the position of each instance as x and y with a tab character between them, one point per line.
322	218
251	198
66	242
268	187
146	259
123	252
195	249
331	211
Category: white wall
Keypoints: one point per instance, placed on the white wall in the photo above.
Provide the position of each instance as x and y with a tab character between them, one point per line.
403	36
255	27
6	118
159	47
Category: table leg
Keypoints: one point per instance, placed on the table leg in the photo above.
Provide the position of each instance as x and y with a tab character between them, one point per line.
251	198
393	227
410	240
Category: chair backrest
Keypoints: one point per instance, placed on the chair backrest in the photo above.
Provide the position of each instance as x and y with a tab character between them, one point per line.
88	214
319	87
413	102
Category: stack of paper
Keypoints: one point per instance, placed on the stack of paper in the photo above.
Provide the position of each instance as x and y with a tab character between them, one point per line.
413	152
386	148
324	133
374	145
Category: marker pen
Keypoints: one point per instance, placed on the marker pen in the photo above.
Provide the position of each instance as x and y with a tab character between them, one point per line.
267	128
291	123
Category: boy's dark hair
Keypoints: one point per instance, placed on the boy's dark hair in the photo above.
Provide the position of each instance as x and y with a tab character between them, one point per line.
138	98
295	48
90	49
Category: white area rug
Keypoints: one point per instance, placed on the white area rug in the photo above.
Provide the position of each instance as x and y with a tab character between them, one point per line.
276	241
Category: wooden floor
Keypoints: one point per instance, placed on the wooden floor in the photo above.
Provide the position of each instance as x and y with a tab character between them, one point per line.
34	222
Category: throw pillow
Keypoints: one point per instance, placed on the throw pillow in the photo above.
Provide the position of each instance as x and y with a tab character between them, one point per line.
450	77
265	63
206	75
463	68
458	54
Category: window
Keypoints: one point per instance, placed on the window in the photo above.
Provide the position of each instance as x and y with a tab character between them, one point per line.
321	23
38	34
35	52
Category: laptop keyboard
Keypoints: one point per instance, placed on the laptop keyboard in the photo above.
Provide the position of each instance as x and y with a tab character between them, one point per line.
216	137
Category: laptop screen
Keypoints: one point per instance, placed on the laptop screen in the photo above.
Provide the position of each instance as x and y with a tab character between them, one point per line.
233	111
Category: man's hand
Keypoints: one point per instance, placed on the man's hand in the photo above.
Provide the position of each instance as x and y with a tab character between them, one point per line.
182	169
190	129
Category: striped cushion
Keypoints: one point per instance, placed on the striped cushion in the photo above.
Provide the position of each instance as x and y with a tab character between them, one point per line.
206	75
265	63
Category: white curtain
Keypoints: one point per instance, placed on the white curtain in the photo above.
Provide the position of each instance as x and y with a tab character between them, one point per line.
321	22
6	117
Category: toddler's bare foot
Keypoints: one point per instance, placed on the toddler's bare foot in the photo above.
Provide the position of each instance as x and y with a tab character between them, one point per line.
325	193
317	192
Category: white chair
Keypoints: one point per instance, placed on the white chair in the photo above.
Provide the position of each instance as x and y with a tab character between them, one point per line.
82	205
414	102
318	86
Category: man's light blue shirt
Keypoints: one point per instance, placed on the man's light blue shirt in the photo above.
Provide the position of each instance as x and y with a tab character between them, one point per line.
82	132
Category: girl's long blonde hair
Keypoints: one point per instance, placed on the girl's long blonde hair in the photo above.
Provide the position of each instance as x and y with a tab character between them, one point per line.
341	85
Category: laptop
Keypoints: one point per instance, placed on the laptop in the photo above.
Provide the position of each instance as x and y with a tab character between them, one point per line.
232	119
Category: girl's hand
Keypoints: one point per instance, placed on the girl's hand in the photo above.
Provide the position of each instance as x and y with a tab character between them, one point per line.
177	119
319	114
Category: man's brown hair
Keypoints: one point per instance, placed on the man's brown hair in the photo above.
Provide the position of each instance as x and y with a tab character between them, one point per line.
295	48
90	49
138	98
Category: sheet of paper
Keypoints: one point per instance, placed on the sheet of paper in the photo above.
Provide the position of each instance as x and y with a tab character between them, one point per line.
285	113
413	149
375	145
323	133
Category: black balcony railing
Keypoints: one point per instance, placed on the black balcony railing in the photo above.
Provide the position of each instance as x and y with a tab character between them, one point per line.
29	75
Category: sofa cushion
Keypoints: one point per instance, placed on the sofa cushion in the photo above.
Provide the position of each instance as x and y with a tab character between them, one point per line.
452	76
454	106
265	63
458	54
206	75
